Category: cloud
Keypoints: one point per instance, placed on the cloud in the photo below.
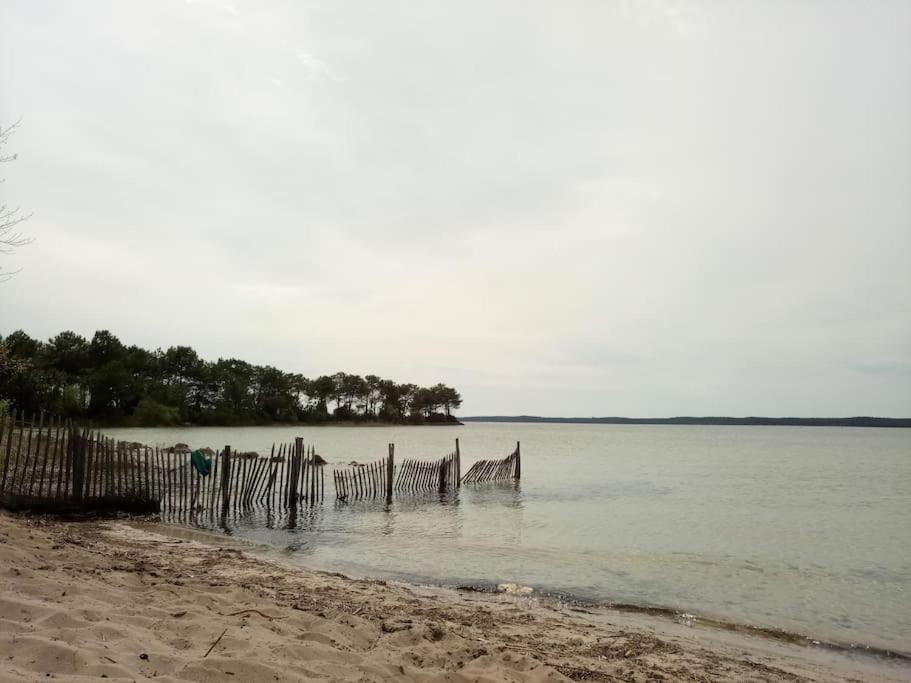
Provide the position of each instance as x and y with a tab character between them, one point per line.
316	69
226	7
594	209
686	18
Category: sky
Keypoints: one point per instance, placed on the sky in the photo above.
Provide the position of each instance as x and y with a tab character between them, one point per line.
610	207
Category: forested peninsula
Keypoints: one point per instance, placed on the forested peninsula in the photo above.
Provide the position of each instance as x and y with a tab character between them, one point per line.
104	381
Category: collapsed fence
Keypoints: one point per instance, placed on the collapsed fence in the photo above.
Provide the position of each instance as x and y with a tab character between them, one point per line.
429	475
52	465
509	467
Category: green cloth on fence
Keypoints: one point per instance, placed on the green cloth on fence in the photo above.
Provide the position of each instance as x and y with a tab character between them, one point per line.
201	463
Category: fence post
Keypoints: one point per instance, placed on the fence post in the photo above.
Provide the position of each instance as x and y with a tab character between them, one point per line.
390	470
518	462
79	465
458	481
298	468
9	449
225	479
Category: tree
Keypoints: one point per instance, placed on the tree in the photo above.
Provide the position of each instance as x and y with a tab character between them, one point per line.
102	379
447	397
10	368
390	395
322	389
354	388
104	348
405	402
232	386
372	396
21	345
275	399
10	217
338	389
67	352
424	402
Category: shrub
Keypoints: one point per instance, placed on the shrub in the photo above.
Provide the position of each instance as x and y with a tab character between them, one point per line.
149	413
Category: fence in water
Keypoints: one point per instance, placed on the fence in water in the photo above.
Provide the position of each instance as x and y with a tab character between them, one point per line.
382	478
370	480
508	468
194	484
429	475
49	464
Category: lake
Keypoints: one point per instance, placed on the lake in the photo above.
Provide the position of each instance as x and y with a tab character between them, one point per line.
805	529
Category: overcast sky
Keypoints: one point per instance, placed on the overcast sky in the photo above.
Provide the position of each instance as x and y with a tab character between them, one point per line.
584	208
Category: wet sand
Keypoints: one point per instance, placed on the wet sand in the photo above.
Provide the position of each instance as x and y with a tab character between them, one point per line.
130	601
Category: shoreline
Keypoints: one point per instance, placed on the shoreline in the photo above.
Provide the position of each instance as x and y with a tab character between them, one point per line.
86	599
669	614
559	599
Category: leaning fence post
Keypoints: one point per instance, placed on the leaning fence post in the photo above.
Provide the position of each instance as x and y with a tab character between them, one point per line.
518	462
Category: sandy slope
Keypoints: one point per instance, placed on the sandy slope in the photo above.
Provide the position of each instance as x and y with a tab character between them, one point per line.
81	601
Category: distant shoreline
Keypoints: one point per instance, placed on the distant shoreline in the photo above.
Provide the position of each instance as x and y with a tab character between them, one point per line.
710	421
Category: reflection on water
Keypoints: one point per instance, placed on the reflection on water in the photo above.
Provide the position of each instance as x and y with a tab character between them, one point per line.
802	529
419	515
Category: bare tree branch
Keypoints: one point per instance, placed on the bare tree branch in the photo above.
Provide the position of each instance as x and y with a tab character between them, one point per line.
10	238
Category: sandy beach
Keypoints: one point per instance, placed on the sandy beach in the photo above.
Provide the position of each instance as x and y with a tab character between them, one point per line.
133	600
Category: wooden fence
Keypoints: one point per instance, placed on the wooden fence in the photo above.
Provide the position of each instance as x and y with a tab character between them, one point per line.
358	481
381	478
238	481
48	464
508	468
429	475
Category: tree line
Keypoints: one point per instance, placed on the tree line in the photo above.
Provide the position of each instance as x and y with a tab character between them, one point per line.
106	381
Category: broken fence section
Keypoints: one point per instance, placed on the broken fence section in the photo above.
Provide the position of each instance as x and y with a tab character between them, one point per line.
508	468
383	478
416	476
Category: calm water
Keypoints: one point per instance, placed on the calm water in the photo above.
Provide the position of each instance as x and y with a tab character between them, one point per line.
806	529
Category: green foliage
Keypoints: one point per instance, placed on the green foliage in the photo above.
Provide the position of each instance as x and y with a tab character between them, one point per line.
72	401
149	413
104	380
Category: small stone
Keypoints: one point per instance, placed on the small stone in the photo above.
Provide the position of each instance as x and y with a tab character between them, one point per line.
514	588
